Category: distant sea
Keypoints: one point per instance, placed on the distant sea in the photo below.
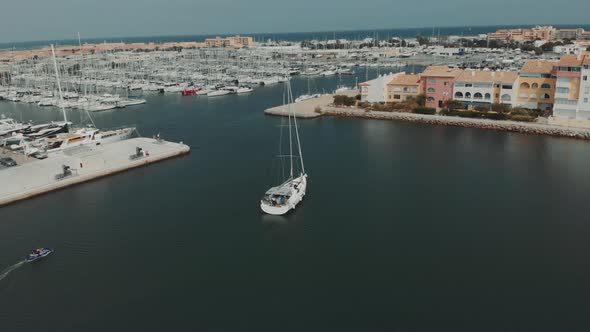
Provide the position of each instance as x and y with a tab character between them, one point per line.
291	36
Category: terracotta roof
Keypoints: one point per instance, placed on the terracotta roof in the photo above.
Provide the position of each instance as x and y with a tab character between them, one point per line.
586	60
441	71
488	76
538	66
405	79
571	60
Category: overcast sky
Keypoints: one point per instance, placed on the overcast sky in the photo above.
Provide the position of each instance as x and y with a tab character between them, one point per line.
22	20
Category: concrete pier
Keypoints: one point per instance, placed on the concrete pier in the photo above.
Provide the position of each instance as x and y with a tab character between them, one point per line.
306	109
86	163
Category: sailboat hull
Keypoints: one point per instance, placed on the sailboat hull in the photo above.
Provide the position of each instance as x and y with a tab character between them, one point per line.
296	197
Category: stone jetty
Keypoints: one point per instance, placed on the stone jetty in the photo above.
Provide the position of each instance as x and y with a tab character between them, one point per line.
501	125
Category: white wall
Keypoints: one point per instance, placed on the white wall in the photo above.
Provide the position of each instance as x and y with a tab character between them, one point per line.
378	88
584	100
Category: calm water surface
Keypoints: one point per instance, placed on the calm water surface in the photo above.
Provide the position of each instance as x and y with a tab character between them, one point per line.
405	227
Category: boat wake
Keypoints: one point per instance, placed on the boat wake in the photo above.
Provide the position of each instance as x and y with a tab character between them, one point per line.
7	271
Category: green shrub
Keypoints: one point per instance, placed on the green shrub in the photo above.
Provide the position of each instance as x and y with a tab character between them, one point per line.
420	100
454	104
501	108
468	114
495	116
364	104
522	118
482	108
424	110
341	100
520	111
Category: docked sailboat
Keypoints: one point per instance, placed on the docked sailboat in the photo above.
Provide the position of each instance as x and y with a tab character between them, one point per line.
62	139
86	136
244	89
280	199
9	126
217	93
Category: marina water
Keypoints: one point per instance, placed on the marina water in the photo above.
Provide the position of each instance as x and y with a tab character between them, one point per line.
404	227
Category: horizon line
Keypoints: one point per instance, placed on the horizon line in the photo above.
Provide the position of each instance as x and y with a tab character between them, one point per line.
294	32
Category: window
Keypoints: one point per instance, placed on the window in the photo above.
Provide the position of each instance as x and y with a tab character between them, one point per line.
431	81
430	99
525	85
431	90
446	84
488	96
586	100
397	97
587	90
458	95
397	89
545	96
562	90
534	96
562	101
535	86
477	95
507	87
585	78
506	97
468	95
468	85
524	95
545	86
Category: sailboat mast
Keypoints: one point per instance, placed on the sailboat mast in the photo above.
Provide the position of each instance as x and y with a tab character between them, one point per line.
61	97
296	133
289	101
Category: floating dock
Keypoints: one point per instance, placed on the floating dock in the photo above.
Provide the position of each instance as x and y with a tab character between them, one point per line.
83	163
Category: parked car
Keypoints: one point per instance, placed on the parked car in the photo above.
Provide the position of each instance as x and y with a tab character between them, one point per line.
7	162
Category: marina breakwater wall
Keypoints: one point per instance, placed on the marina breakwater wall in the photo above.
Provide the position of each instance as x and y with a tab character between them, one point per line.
87	163
511	126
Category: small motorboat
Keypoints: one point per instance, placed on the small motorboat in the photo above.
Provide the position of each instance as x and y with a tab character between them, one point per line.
38	254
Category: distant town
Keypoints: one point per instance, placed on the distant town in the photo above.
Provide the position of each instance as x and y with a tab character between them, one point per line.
543	68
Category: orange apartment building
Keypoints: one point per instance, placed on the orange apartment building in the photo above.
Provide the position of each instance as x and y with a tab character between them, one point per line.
536	85
402	87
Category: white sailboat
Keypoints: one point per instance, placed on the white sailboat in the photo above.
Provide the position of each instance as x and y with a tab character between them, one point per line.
281	199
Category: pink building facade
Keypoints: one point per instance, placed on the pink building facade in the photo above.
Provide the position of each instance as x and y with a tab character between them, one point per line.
437	84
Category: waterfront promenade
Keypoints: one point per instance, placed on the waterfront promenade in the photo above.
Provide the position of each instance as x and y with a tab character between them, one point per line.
306	110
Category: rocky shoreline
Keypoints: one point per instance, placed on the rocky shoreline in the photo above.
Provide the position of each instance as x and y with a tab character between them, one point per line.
500	125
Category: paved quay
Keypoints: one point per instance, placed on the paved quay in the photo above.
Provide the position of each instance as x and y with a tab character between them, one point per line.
306	109
86	163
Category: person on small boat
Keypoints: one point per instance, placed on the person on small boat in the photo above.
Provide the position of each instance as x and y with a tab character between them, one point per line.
37	251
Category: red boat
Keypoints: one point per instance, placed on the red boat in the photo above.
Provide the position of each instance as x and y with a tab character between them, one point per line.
190	91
